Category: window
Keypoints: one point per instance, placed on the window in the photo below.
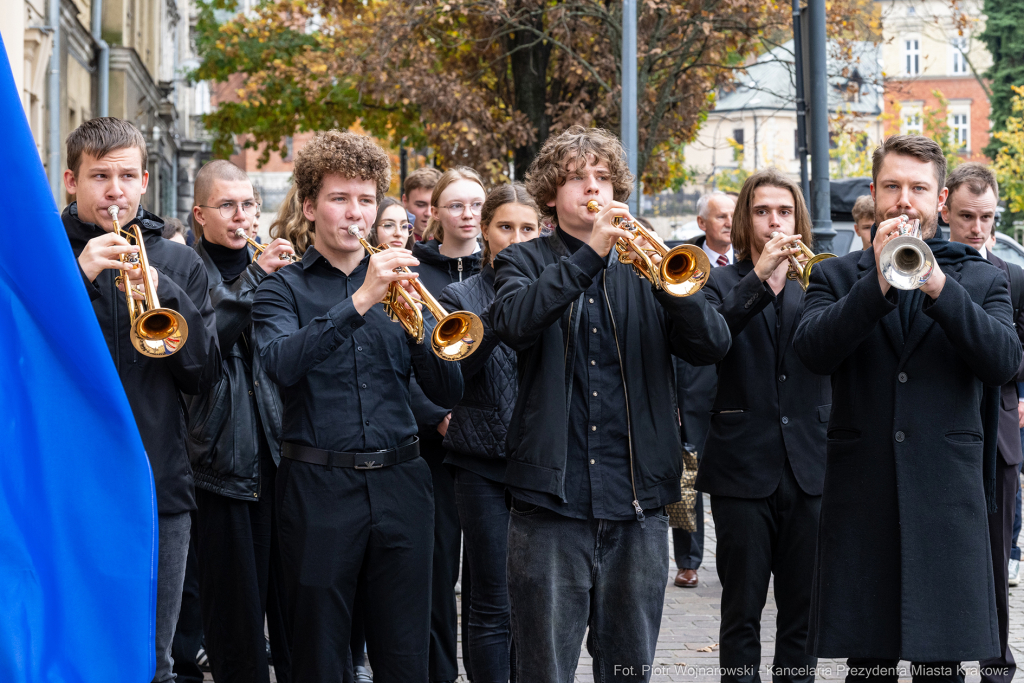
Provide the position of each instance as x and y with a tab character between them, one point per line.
912	123
911	56
959	130
737	135
957	47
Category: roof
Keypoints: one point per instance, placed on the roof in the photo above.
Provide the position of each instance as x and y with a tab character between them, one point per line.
768	83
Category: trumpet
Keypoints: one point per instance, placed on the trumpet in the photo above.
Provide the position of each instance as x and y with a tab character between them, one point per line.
456	335
155	332
683	271
260	248
800	270
906	261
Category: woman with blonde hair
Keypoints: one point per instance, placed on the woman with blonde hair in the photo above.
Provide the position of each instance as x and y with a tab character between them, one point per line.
291	224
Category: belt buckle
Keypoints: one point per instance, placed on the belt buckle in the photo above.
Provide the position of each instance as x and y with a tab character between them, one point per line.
369	465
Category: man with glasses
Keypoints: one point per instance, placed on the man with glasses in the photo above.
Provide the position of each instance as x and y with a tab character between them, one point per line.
234	440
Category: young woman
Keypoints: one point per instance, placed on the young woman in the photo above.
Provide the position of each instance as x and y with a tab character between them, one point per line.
291	224
449	253
475	440
392	226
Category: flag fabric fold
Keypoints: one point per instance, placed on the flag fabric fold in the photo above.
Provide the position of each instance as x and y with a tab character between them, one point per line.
78	516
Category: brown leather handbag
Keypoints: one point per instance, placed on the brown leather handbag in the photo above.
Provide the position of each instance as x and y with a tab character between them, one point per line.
682	515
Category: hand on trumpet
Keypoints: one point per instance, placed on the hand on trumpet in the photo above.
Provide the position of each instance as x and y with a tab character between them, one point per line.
605	233
889	229
273	258
104	253
380	273
136	282
774	254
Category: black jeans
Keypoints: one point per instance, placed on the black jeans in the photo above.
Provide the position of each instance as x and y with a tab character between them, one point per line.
758	538
886	671
488	636
565	574
188	634
444	612
1000	532
339	527
688	546
236	546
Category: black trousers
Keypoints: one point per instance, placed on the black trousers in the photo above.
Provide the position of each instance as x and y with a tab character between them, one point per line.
339	527
1000	533
886	671
758	538
444	613
237	548
688	546
188	634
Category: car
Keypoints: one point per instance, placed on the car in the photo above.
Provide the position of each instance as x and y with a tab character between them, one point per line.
1006	247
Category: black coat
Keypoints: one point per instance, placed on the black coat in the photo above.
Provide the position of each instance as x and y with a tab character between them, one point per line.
154	385
480	420
437	271
1009	425
224	445
537	286
903	567
769	406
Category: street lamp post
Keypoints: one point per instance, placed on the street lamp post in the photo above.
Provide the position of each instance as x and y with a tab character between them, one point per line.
821	210
630	137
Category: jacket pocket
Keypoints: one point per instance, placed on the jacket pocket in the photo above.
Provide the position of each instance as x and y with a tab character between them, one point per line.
843	434
964	437
209	412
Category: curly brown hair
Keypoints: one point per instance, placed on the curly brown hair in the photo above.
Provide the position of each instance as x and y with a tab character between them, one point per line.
576	146
347	154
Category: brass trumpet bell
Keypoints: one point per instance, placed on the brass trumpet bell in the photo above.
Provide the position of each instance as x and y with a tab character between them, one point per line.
684	270
457	335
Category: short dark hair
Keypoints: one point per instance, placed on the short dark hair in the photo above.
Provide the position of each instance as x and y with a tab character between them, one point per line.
864	207
977	177
172	227
99	137
916	146
742	222
343	153
575	146
422	178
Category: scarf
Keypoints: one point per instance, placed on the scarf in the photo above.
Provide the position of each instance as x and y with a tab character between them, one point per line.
230	262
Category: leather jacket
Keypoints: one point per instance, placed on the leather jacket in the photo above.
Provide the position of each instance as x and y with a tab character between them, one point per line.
223	441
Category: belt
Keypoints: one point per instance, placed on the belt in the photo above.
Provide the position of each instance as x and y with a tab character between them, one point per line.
368	460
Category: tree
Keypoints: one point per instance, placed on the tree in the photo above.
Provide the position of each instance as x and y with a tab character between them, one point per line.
1005	42
1009	160
483	82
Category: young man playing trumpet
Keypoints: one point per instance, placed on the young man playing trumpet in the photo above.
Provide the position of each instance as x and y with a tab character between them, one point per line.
107	168
911	439
234	441
354	497
764	458
593	445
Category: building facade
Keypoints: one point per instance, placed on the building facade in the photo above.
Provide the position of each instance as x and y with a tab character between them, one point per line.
123	58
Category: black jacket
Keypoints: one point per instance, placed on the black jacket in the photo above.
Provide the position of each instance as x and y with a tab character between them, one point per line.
1009	425
476	433
437	271
154	385
769	408
904	491
538	287
224	445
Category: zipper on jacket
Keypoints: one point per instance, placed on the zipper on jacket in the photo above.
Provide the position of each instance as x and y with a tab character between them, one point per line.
460	269
116	325
629	426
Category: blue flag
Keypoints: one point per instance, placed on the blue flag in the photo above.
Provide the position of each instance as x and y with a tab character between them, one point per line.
77	504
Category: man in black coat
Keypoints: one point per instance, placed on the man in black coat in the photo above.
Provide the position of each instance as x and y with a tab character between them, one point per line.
593	446
234	442
107	167
970	211
764	459
696	385
907	474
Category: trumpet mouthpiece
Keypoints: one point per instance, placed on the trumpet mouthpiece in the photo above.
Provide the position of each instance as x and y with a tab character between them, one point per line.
593	206
113	210
355	231
240	233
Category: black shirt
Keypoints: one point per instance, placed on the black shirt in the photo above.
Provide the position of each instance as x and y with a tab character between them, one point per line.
344	378
597	482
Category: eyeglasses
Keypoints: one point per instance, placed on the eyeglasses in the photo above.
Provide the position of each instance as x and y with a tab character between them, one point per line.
457	208
391	226
228	209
